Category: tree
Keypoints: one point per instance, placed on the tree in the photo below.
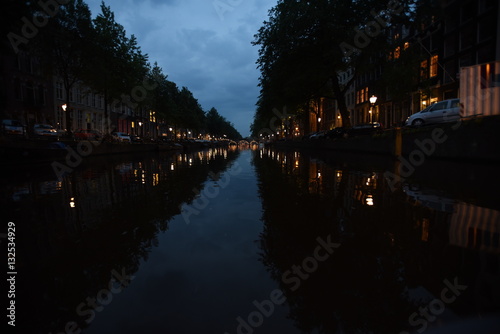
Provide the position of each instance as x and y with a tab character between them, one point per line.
162	98
64	45
191	114
218	126
118	63
305	44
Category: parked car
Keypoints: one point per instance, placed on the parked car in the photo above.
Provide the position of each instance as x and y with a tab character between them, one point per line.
84	134
338	132
45	130
121	137
136	139
318	135
13	127
365	129
440	112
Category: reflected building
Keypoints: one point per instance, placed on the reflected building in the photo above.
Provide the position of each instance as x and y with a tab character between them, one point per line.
104	216
394	245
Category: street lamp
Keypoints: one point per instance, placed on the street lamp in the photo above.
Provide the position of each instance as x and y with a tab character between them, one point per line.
373	100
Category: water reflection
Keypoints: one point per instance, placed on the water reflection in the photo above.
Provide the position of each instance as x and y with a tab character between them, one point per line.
399	248
82	234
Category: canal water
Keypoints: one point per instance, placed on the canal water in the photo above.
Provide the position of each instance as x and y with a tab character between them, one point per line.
254	241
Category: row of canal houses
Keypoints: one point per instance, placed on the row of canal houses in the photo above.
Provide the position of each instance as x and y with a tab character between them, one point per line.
466	34
31	97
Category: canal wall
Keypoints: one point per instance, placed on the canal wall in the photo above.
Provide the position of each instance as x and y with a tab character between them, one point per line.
475	139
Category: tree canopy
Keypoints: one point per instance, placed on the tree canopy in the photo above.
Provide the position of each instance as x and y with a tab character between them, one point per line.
305	45
99	54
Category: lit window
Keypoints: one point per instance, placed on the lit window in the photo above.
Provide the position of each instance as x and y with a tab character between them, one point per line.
424	70
434	66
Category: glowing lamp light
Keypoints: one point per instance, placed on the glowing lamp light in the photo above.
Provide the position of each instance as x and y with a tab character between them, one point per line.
373	99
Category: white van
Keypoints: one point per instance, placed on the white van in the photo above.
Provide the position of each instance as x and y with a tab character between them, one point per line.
440	112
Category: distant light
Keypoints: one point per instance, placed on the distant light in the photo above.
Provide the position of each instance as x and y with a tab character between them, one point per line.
373	99
72	203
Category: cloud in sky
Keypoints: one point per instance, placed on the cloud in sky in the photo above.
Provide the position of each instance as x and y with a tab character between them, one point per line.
203	45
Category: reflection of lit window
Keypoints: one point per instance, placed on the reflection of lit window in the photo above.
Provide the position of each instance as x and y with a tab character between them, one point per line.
369	200
425	229
397	52
156	179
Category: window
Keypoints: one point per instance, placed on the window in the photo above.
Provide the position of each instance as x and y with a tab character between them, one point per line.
467	37
80	119
59	90
71	97
439	106
434	66
18	90
468	11
41	95
485	5
79	95
486	28
424	70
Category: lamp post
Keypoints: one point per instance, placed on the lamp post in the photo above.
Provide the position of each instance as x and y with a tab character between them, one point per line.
67	116
319	123
373	100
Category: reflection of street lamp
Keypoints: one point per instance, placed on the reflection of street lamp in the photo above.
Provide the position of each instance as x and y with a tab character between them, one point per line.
373	100
319	123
